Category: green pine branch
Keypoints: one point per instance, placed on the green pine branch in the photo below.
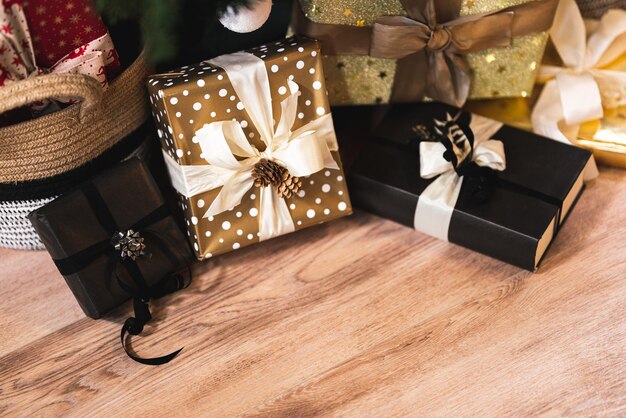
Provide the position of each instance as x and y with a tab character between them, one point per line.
163	21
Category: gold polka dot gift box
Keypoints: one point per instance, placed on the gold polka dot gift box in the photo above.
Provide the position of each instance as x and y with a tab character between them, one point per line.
249	144
379	51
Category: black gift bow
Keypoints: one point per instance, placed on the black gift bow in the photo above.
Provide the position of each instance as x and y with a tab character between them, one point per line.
142	293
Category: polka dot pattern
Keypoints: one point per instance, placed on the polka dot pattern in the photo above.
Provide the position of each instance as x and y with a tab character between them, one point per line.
202	93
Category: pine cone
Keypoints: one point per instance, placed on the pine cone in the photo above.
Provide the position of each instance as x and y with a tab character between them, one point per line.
269	173
289	185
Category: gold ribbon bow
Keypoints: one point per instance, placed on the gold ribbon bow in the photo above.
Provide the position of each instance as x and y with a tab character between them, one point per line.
430	43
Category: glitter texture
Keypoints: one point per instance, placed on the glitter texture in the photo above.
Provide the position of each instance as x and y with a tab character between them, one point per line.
497	72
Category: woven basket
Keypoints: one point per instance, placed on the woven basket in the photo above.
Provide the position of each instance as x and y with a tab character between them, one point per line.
67	139
65	145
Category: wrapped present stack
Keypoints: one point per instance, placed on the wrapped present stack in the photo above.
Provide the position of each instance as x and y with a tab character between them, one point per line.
248	142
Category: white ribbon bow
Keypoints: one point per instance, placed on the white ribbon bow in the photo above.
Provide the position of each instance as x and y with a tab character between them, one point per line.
17	54
577	92
303	152
436	203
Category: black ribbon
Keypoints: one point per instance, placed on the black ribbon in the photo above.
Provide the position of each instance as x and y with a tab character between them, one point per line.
140	291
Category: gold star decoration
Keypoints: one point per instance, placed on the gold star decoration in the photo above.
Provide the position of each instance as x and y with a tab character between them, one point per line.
360	23
74	18
315	10
61	44
470	4
88	29
62	31
347	12
69	5
58	20
77	41
40	10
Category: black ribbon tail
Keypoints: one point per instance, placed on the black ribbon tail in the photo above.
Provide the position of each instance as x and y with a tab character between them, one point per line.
134	326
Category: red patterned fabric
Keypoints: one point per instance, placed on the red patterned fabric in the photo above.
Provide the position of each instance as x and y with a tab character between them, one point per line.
53	36
62	27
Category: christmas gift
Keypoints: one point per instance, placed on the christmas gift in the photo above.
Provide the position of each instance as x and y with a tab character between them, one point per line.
112	238
469	180
581	97
249	143
589	81
54	36
401	50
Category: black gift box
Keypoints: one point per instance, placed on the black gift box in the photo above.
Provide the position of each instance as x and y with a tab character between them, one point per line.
76	230
527	203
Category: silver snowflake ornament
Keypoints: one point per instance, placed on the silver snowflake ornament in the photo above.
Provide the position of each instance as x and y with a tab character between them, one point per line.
129	244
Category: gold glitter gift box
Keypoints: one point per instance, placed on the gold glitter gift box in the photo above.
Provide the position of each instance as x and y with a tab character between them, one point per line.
494	72
250	146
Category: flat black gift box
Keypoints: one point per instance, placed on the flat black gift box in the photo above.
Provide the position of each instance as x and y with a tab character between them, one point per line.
69	225
530	199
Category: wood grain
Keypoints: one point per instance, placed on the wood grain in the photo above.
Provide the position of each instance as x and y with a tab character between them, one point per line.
359	317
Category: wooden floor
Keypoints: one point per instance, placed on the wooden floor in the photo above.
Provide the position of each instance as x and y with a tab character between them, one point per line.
359	317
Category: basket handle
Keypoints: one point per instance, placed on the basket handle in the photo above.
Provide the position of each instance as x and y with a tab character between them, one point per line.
49	86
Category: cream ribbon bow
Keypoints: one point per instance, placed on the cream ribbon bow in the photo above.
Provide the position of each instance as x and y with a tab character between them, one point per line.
577	92
435	205
303	152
